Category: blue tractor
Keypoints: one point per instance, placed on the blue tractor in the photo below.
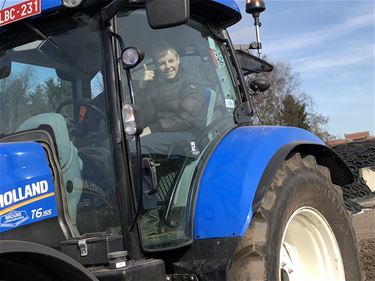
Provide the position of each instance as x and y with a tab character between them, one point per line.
82	195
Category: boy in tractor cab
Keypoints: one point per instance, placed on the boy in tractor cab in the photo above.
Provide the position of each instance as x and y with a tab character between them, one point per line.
174	100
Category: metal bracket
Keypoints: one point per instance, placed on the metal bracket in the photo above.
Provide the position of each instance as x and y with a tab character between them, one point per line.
217	32
182	277
82	245
243	113
150	168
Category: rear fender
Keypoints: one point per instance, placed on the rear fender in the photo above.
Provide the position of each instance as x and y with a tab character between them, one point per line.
240	170
325	156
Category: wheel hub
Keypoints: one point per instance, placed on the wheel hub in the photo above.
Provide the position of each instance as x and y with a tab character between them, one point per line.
309	250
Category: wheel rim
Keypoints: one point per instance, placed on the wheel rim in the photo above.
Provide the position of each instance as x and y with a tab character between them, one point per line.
309	250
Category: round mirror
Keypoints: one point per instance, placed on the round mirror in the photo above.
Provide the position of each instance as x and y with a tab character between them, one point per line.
259	85
131	57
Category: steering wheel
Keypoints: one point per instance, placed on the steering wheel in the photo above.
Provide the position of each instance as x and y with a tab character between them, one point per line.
82	128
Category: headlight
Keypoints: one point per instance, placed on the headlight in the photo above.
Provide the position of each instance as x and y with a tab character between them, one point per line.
71	3
130	120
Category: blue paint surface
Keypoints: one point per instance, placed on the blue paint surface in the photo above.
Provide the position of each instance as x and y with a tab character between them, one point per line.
232	175
26	185
51	4
229	3
46	4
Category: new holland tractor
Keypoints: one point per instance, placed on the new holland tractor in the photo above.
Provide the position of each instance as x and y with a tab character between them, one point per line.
82	199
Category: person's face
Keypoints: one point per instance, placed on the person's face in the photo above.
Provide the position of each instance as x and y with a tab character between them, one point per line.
169	65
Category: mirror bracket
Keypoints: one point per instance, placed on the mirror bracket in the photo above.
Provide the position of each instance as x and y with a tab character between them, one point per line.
216	32
243	113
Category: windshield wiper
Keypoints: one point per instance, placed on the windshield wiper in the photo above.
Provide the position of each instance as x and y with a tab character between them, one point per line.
57	47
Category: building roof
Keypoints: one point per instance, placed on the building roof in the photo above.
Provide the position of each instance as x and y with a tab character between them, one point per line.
358	136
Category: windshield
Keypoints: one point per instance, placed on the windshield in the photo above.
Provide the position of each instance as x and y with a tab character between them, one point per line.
51	76
187	94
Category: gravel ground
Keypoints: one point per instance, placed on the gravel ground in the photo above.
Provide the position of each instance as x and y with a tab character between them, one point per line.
364	225
358	155
367	248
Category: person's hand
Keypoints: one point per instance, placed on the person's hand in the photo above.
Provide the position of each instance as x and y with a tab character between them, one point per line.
148	75
146	131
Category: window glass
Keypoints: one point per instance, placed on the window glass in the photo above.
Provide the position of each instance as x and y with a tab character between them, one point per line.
57	82
186	94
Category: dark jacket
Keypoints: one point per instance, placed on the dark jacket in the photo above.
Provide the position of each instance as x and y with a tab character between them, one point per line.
172	105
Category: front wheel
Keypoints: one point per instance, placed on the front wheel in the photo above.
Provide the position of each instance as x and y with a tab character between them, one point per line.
301	231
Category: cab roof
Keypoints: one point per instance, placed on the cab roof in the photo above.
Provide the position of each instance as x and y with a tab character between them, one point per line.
230	4
222	12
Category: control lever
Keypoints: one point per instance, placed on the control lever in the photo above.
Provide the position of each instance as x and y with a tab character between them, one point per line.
149	168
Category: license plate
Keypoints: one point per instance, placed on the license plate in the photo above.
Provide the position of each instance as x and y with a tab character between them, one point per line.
19	11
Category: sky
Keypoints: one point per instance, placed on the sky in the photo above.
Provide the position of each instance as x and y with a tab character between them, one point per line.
331	44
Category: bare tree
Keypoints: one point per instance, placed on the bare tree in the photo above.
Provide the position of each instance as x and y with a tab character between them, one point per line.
284	103
317	122
14	99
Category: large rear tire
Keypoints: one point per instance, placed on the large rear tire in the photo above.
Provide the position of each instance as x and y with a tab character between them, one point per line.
302	230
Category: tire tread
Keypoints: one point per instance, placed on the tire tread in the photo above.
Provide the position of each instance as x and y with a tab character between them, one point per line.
249	262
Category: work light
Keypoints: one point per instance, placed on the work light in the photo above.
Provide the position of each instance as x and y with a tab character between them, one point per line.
129	119
71	3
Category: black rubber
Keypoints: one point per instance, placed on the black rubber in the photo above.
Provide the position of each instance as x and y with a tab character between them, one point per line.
13	271
357	155
26	261
298	183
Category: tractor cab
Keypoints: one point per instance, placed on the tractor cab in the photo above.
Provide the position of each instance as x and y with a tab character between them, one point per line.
62	73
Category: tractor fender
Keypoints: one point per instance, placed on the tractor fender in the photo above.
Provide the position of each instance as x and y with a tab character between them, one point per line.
41	258
240	170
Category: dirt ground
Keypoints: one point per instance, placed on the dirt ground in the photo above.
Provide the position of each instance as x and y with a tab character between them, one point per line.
364	225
